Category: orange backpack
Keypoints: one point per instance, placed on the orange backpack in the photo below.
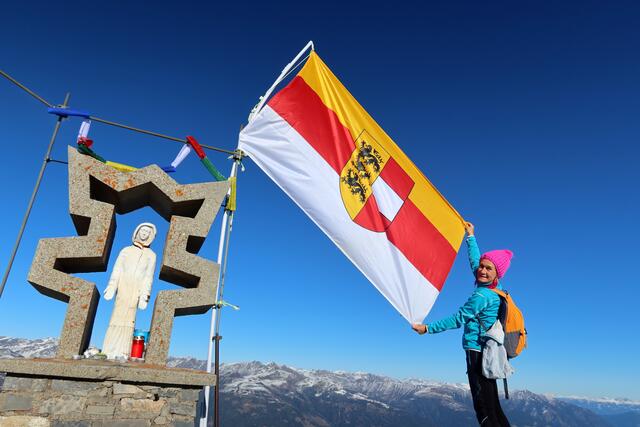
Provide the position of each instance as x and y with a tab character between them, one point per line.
515	334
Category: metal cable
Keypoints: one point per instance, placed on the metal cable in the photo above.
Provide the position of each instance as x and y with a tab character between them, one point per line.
26	89
156	134
159	135
108	122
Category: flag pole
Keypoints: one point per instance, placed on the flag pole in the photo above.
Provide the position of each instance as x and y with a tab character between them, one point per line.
217	336
282	76
45	161
223	251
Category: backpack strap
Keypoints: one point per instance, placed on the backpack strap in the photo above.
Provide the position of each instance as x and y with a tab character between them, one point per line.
503	294
504	305
500	293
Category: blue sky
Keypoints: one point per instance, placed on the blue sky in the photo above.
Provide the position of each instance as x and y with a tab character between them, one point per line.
524	115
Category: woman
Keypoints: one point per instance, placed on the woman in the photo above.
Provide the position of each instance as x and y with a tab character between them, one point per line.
482	306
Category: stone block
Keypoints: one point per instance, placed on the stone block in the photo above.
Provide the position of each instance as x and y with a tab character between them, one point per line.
17	383
63	405
60	423
182	422
79	388
12	383
119	388
182	408
24	421
161	420
96	193
169	392
165	411
15	402
126	423
190	395
136	408
99	400
103	410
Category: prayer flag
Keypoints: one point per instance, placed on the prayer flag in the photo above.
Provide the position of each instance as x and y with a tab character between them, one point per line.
325	151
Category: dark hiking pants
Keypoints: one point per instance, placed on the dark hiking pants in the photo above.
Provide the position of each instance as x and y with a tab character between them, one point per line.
484	393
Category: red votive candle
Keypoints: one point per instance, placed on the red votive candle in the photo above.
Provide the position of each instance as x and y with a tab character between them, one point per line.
137	347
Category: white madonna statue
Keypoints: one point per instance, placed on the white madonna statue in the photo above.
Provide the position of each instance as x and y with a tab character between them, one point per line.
130	281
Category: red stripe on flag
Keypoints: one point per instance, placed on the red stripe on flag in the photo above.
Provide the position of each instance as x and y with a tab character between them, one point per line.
422	244
411	232
370	216
397	178
303	109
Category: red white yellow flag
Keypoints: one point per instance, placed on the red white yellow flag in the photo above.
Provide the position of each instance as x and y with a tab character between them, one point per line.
325	151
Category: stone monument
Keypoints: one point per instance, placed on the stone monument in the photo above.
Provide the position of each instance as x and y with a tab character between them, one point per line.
95	392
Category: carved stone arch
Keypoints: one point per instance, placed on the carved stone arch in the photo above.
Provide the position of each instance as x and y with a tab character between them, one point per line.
96	193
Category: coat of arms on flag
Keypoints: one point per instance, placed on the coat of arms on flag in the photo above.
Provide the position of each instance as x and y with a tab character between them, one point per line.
316	142
373	186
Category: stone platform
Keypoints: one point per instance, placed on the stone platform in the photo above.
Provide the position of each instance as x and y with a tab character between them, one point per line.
106	370
92	393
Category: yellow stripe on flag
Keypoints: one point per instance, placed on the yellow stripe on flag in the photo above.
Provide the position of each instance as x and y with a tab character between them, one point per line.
354	117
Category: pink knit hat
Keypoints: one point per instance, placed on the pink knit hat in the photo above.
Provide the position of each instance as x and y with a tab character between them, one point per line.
501	258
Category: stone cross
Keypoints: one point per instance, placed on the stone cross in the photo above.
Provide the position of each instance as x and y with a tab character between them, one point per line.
96	193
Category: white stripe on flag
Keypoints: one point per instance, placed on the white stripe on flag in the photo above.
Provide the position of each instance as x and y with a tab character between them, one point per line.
281	152
388	200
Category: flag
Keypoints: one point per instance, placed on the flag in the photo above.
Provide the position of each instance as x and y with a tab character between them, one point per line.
316	142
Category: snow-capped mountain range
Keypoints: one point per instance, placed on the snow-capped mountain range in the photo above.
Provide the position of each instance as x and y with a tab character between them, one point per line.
255	393
19	347
603	405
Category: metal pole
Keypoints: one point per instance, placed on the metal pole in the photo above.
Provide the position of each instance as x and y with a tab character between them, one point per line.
214	314
33	196
281	77
218	337
216	392
214	327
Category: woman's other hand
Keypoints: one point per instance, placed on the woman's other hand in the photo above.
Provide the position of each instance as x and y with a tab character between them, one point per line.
468	227
419	328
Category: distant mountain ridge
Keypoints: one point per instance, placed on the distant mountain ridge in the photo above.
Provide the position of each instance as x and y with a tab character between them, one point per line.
255	393
20	347
603	406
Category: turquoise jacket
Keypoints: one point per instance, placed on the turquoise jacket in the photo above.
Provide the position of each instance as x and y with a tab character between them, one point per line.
483	304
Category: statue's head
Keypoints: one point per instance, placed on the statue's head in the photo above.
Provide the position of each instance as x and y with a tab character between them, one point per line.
144	234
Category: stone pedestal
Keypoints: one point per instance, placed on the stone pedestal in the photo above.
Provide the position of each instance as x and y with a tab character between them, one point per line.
66	393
